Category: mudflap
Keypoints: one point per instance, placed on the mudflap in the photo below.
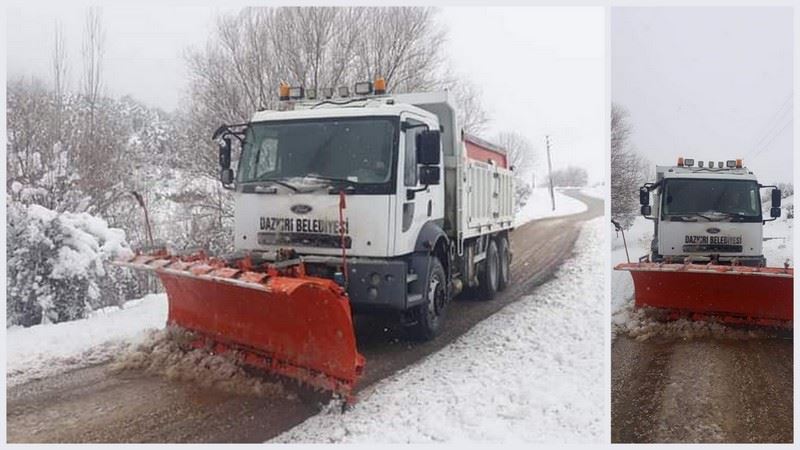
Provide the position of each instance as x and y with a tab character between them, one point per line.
760	296
284	322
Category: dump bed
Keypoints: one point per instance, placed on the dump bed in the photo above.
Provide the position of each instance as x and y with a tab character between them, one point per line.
480	150
488	188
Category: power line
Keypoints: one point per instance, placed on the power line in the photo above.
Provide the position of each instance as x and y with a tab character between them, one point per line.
769	132
774	136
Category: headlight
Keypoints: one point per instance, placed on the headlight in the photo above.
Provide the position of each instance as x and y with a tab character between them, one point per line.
375	279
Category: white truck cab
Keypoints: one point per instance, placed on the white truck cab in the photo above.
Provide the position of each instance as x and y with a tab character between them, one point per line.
380	184
707	212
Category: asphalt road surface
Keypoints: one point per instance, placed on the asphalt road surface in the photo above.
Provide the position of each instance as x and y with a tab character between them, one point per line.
701	390
96	404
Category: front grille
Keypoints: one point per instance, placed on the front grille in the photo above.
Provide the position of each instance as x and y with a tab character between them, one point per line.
304	240
708	248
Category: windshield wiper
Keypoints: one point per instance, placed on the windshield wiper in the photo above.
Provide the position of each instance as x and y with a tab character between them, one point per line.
735	215
333	179
684	217
280	183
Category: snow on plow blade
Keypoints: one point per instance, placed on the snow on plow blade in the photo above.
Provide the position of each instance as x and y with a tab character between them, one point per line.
282	321
736	294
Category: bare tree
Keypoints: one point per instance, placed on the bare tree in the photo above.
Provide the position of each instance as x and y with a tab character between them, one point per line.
60	72
471	113
521	152
628	169
92	51
571	176
252	51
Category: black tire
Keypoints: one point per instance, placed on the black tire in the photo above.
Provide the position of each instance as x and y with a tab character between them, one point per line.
504	255
432	314
489	275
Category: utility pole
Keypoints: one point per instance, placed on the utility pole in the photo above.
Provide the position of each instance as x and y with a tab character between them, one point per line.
550	173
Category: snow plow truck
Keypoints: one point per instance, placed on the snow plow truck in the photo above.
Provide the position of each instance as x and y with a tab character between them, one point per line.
344	203
706	258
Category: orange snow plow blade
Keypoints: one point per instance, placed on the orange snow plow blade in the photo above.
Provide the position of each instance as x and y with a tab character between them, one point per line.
277	319
735	294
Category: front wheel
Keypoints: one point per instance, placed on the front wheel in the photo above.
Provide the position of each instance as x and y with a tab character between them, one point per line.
432	314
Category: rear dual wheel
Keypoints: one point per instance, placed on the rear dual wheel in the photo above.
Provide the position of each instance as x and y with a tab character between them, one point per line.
489	275
495	272
504	255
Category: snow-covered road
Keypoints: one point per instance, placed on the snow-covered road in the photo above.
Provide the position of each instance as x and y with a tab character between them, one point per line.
532	372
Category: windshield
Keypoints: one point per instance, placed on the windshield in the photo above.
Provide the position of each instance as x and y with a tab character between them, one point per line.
354	150
704	197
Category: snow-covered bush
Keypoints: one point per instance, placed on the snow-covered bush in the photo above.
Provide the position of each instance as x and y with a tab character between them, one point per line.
58	265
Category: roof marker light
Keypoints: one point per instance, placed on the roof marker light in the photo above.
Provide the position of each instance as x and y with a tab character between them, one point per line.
680	161
380	86
739	163
711	164
283	91
296	92
700	164
363	88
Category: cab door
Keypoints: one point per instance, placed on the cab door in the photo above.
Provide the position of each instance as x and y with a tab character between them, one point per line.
416	205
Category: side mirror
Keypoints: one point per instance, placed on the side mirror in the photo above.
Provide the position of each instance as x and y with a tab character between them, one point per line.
429	175
776	199
644	198
774	212
429	147
226	176
225	153
646	210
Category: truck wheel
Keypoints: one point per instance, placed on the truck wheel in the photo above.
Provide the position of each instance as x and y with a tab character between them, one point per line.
504	255
432	314
489	277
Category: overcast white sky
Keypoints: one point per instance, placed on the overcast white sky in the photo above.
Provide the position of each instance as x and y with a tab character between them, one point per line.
541	70
709	83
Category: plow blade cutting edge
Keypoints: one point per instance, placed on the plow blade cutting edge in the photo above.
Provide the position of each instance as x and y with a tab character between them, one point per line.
286	323
737	294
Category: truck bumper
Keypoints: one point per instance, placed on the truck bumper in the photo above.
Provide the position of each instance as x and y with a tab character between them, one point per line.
372	284
751	261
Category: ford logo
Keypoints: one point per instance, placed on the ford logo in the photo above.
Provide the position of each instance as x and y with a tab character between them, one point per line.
300	209
712	230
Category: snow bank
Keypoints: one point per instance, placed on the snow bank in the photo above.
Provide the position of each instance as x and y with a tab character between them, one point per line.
644	324
598	191
45	350
539	206
778	236
533	372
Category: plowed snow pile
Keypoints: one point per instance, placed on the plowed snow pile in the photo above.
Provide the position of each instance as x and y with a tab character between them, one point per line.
168	353
533	372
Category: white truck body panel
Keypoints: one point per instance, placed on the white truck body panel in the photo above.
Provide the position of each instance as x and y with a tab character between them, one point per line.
368	221
673	236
